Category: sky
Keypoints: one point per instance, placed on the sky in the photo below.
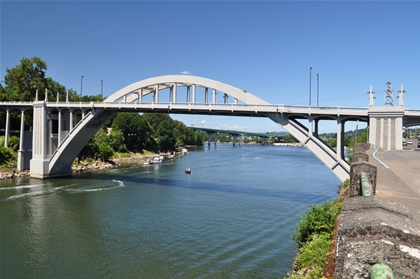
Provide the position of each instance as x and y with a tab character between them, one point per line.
266	48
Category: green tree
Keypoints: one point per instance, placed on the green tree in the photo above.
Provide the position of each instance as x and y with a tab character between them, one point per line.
116	141
23	80
136	132
289	139
104	152
164	135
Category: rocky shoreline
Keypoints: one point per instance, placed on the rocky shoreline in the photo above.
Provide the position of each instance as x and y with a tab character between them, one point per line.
85	165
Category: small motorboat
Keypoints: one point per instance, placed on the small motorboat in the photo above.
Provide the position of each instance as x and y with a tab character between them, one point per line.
188	170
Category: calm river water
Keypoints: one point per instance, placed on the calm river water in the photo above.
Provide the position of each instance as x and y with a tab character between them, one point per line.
231	218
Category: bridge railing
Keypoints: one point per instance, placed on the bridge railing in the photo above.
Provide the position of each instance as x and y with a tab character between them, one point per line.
259	107
412	111
279	107
324	108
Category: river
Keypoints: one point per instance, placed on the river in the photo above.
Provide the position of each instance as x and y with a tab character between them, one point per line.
231	218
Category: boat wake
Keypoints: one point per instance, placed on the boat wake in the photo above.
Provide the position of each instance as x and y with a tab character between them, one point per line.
20	187
96	189
67	189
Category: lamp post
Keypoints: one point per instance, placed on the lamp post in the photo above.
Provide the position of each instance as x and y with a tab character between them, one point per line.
317	90
81	86
102	88
310	84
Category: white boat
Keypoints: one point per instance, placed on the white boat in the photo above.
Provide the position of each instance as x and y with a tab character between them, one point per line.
156	160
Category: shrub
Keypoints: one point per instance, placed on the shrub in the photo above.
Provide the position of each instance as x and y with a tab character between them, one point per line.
318	219
105	152
6	155
13	143
312	255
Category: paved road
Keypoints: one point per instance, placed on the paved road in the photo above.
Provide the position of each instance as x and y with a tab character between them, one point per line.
400	182
413	145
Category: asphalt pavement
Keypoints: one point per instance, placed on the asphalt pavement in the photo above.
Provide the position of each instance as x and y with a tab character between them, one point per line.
398	177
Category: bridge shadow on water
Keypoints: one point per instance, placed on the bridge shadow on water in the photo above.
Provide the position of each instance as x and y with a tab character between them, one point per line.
281	193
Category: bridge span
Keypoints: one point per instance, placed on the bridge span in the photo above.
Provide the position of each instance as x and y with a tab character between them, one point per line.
57	139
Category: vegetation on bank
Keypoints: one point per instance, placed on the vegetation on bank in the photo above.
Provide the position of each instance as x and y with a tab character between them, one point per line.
8	155
313	237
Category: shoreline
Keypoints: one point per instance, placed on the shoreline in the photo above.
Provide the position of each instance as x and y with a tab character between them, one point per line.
85	165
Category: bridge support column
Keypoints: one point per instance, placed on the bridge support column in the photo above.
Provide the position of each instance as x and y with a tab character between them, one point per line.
39	164
310	125
209	138
174	93
234	139
156	98
386	127
316	127
193	93
21	152
340	139
7	129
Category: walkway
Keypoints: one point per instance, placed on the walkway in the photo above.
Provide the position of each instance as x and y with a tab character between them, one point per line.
401	181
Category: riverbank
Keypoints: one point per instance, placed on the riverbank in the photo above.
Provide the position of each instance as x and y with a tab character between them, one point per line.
88	164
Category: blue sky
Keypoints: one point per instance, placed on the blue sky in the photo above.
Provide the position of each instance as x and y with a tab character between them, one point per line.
266	48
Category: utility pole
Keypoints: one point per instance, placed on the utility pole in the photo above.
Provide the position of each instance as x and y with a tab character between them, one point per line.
310	84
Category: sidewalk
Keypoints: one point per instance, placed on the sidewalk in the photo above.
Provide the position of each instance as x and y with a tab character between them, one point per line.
401	181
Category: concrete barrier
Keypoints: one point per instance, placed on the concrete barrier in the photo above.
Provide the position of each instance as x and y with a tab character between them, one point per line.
371	230
360	157
365	146
358	150
356	169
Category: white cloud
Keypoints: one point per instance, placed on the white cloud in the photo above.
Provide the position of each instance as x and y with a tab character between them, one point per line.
185	72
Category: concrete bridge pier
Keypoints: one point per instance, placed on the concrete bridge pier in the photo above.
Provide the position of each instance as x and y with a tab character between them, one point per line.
386	127
209	138
235	137
39	164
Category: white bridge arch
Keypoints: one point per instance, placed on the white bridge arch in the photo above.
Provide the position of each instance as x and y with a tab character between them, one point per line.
136	91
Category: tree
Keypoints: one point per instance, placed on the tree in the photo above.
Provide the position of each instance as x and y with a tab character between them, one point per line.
289	139
136	132
104	152
23	80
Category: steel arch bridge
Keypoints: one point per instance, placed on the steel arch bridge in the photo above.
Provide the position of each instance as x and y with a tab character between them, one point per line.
51	159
